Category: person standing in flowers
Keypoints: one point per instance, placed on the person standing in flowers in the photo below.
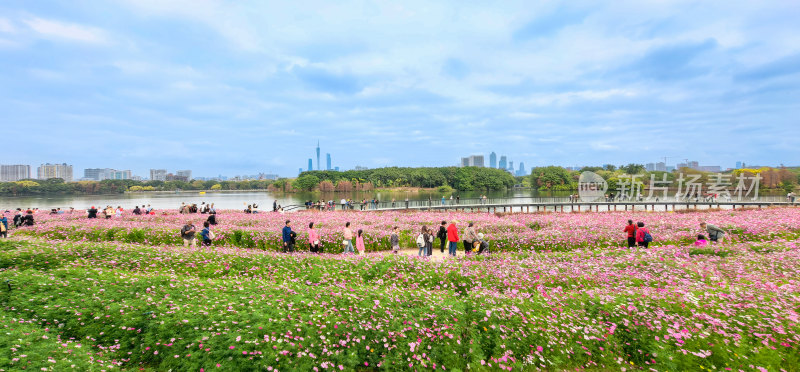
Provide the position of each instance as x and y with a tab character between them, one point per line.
630	229
288	245
3	226
421	241
452	237
642	234
442	234
206	234
187	233
715	234
348	238
28	219
313	239
428	241
470	236
394	240
360	242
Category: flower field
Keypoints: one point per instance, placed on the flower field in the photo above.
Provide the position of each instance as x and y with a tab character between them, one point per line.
516	232
561	293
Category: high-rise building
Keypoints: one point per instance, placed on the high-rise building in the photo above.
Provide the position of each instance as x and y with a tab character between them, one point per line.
48	171
99	174
492	160
11	173
337	169
503	162
310	164
476	161
738	165
184	173
318	165
510	167
299	170
694	165
158	174
328	161
465	162
661	167
521	172
650	167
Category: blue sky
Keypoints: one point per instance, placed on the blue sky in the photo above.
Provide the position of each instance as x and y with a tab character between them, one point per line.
243	87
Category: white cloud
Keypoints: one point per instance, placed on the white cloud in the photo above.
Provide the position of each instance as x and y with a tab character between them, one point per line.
51	29
6	26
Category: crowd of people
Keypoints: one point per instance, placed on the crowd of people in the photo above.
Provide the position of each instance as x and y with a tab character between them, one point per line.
471	240
639	235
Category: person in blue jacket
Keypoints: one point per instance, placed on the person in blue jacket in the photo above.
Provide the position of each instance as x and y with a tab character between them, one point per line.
288	244
4	226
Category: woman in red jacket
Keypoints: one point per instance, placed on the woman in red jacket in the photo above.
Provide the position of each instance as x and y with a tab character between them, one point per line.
452	238
641	231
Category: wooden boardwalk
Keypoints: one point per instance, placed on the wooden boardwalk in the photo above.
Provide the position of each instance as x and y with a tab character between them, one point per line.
583	206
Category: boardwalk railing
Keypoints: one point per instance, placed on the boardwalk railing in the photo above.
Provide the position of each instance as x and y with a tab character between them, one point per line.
564	204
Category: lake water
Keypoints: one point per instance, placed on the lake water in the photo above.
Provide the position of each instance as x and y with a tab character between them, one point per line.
232	200
240	199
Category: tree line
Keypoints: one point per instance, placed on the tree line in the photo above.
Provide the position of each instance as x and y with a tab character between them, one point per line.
465	179
458	178
553	178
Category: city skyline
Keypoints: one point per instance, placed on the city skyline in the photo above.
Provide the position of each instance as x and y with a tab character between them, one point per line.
411	84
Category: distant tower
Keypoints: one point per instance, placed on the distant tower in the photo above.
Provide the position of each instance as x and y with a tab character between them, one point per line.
511	166
310	165
318	165
328	158
492	160
521	171
503	162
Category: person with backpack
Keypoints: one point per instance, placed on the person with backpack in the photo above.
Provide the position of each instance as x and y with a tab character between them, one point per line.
442	234
630	229
643	237
206	235
421	242
187	233
3	226
91	212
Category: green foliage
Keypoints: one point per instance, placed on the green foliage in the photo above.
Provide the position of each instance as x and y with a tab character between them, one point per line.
553	178
306	182
466	178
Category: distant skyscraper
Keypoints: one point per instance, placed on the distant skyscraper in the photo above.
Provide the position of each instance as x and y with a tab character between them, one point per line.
738	165
694	165
493	160
158	174
661	167
310	165
184	173
476	161
328	160
510	167
337	169
650	167
11	173
318	165
465	162
299	170
47	171
503	162
521	172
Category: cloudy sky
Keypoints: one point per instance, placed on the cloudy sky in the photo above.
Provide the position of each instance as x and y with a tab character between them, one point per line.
242	87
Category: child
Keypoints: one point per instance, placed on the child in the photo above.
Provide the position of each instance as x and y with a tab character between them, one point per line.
701	241
360	242
394	239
